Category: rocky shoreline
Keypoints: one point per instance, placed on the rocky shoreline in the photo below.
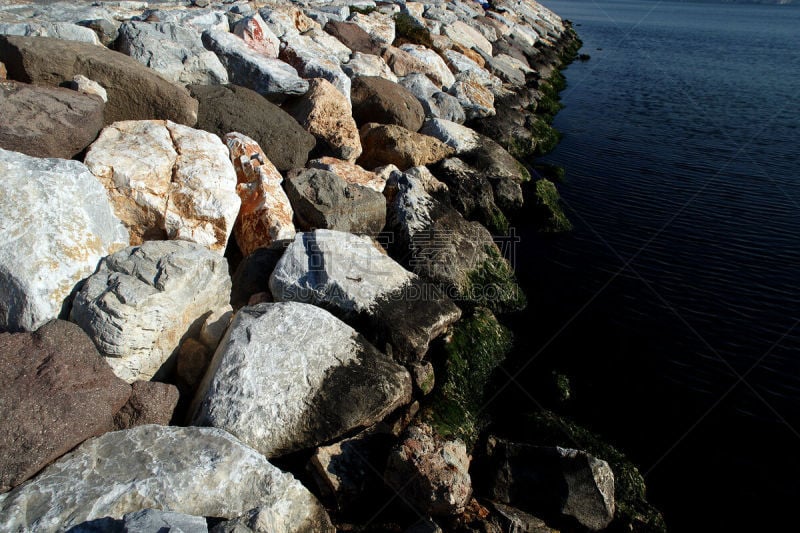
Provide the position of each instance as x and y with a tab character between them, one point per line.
253	276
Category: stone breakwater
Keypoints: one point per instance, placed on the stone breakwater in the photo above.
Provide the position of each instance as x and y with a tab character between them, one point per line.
237	235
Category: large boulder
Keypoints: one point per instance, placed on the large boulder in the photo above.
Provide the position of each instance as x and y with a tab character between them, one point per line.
350	172
194	471
352	277
367	65
176	52
326	114
250	68
230	108
135	92
266	214
166	180
47	121
57	223
55	392
313	60
551	481
151	402
379	100
143	300
150	520
321	199
379	26
471	194
435	67
257	35
289	376
474	97
57	30
354	37
388	144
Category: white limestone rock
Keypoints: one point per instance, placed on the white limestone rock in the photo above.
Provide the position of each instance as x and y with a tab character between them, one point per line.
57	223
313	60
378	25
437	70
84	85
199	19
462	138
361	64
257	35
189	470
289	376
467	36
57	30
143	300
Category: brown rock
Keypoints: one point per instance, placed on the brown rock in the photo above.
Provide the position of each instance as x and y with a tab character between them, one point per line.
151	402
135	92
401	62
326	114
193	360
3	72
379	100
472	54
55	392
265	215
389	144
350	172
354	37
47	121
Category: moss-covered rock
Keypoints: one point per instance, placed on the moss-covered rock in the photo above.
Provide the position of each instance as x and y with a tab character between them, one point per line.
548	213
494	285
545	136
476	347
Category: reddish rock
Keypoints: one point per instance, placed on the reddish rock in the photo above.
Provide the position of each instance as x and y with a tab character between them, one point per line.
55	392
354	37
258	36
386	144
151	402
379	100
401	62
193	360
350	172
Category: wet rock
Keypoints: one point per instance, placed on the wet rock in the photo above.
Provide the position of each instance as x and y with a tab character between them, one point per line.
194	471
57	223
135	92
151	402
289	376
390	144
257	35
47	121
231	108
354	37
144	299
326	114
548	212
382	101
166	180
249	68
368	65
551	481
321	199
422	373
430	472
350	172
175	52
265	215
55	392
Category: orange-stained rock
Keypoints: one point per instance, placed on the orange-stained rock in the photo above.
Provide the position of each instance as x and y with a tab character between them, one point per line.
265	215
389	144
258	36
350	172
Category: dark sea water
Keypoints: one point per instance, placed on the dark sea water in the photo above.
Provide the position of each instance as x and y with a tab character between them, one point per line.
674	306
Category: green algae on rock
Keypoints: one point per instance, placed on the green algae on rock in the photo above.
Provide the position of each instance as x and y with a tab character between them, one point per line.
548	213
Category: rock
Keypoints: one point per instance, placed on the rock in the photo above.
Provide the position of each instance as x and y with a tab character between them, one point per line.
353	278
382	101
3	72
471	194
447	107
547	210
551	480
321	199
431	473
193	360
331	44
467	36
281	386
509	69
462	64
257	35
166	180
84	85
474	97
252	276
106	30
156	520
57	223
287	20
56	30
230	108
435	103
378	25
265	215
194	471
368	65
47	121
390	144
401	62
199	19
435	67
515	521
175	52
326	114
144	299
151	402
461	138
435	242
55	392
249	68
135	92
313	60
354	37
422	373
424	526
350	172
215	325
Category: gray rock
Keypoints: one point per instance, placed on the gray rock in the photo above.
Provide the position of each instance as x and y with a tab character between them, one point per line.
246	67
144	299
447	107
513	520
368	65
47	121
175	52
289	376
135	92
57	30
57	223
551	480
106	29
474	97
313	60
353	278
55	392
194	471
156	520
199	19
321	199
461	138
471	193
